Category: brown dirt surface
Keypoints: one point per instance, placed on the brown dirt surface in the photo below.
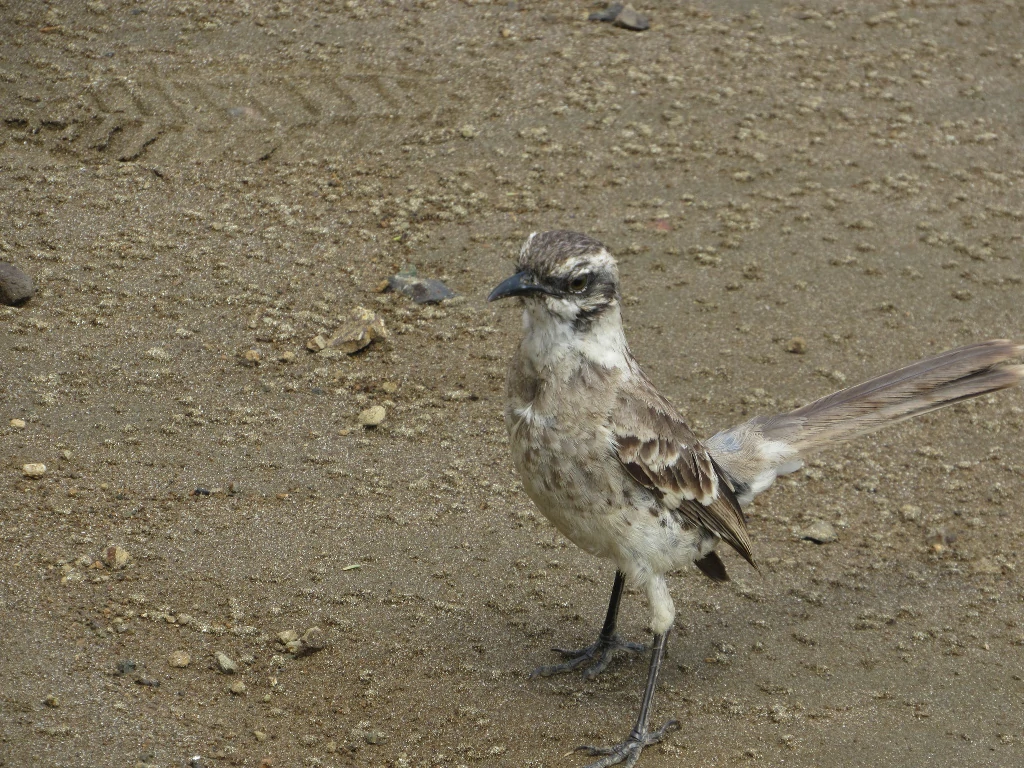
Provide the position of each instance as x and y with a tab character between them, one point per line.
801	195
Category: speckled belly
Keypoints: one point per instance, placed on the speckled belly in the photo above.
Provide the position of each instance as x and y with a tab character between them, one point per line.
579	486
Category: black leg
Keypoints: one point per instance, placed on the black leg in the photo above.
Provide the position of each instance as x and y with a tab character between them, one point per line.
628	752
600	653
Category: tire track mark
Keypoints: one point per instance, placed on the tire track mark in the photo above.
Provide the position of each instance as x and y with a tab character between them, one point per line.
182	112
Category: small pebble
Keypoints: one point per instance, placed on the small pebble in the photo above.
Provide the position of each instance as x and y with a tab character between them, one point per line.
125	666
260	735
251	357
116	557
37	470
910	513
15	286
287	636
52	701
797	345
372	417
225	664
365	328
421	291
237	688
179	659
314	639
820	532
624	16
18	423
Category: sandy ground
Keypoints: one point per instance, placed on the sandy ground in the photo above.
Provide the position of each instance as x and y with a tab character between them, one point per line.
188	182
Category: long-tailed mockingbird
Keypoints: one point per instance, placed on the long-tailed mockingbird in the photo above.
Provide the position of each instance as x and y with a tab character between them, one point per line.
610	462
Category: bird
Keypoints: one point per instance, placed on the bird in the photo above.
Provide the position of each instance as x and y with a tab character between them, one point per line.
609	461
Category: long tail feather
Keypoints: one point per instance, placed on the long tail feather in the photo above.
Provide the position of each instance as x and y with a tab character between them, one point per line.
756	452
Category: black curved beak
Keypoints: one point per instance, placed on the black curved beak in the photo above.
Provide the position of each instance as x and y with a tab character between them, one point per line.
520	284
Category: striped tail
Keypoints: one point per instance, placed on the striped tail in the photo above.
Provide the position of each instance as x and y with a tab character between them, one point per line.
753	454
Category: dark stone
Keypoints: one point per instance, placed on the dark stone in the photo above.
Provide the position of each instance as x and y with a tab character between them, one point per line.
624	16
418	289
630	19
15	286
610	13
125	666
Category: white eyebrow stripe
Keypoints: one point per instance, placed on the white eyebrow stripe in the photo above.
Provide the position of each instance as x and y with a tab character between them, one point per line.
600	259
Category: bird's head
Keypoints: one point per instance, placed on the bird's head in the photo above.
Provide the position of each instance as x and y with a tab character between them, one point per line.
567	275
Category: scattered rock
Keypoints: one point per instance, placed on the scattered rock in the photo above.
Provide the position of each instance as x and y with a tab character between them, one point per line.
420	290
820	532
260	735
124	667
150	682
624	16
365	328
460	396
52	701
18	423
251	358
468	132
910	513
313	639
179	659
15	286
237	688
797	345
288	636
287	357
373	416
116	557
375	737
363	732
225	664
33	470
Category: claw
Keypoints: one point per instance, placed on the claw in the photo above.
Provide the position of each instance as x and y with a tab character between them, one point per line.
628	752
598	655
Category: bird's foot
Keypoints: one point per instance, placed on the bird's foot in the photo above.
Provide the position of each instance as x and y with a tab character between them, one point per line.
598	656
628	752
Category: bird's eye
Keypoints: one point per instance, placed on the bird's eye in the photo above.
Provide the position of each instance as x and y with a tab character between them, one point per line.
579	283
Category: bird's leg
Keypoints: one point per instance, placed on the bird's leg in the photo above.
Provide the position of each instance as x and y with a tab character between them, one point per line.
600	653
628	752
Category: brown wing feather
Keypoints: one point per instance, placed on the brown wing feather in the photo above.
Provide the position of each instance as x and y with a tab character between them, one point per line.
661	453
